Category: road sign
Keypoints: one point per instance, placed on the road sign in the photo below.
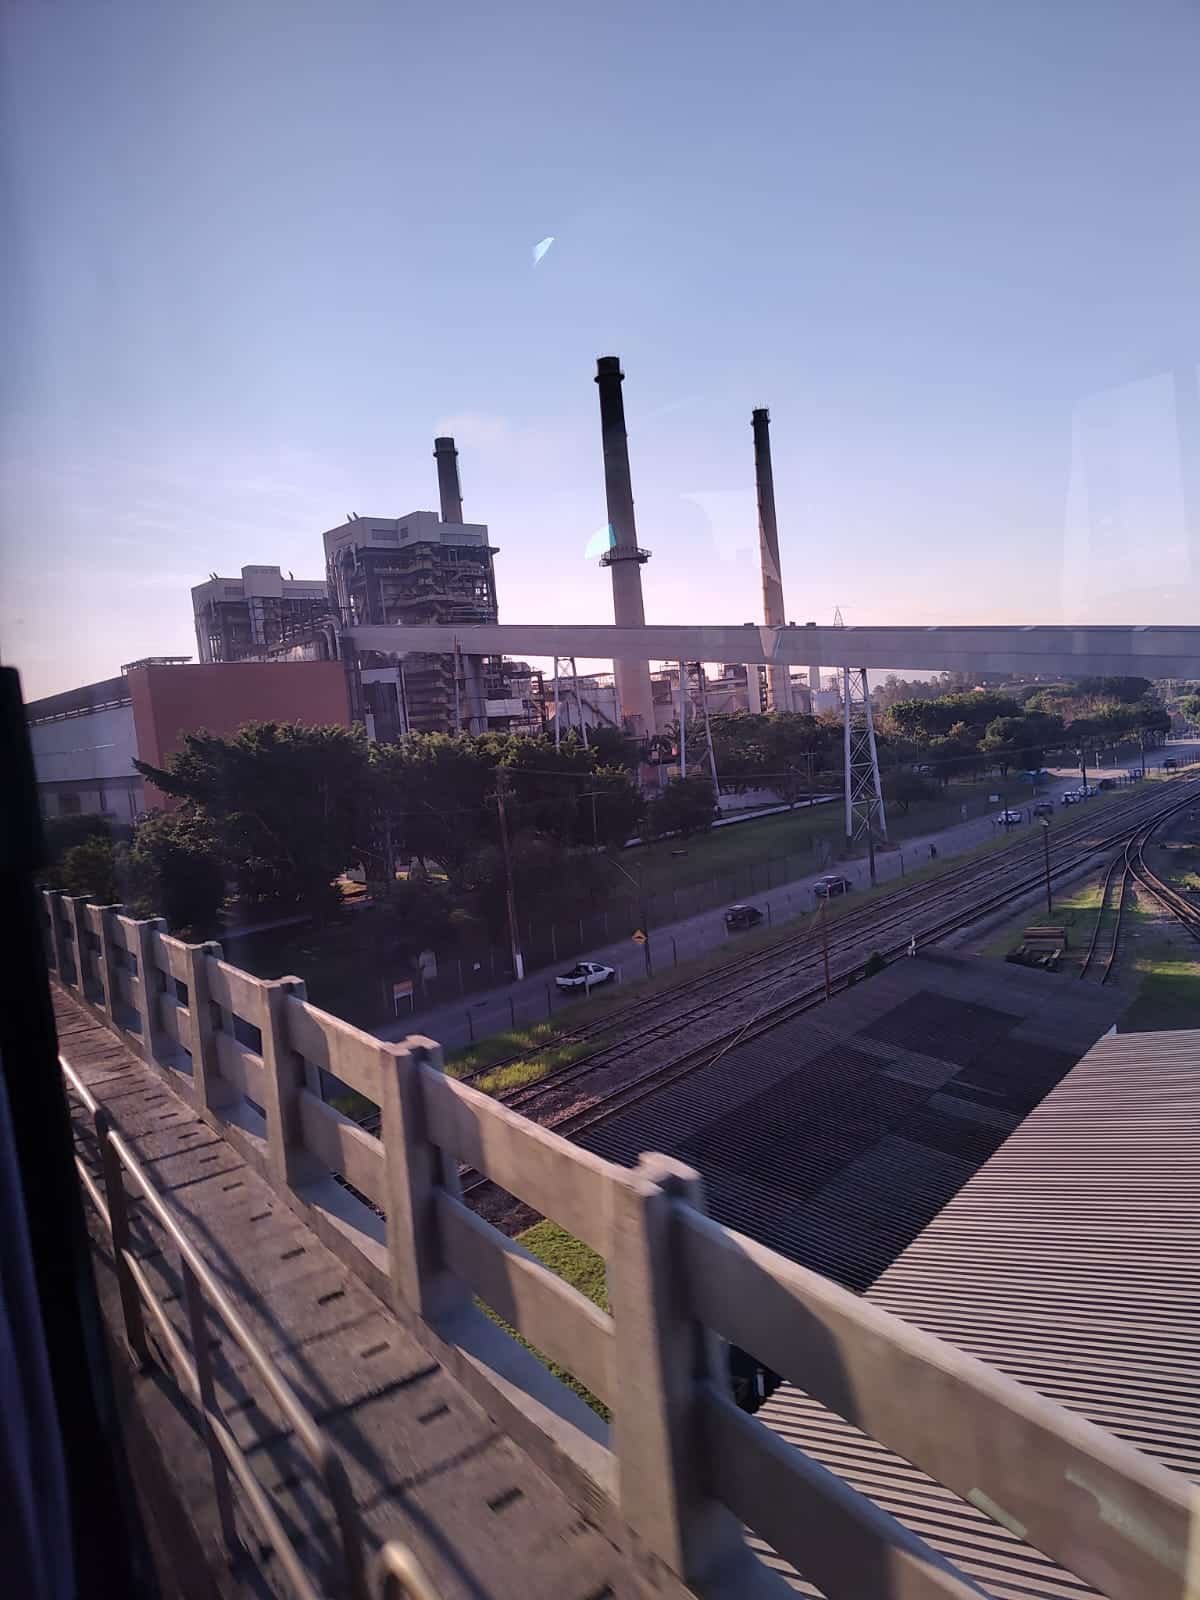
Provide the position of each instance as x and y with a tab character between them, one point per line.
638	936
400	992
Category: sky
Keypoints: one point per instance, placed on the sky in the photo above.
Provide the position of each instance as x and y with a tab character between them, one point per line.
258	254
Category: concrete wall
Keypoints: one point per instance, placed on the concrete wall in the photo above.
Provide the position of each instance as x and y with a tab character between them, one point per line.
221	697
85	764
682	1468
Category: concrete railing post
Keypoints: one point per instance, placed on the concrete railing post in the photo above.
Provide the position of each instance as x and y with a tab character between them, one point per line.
143	936
283	1079
414	1170
76	908
209	1089
58	935
663	1356
106	961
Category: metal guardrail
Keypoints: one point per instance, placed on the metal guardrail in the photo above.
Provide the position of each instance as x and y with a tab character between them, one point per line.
399	1575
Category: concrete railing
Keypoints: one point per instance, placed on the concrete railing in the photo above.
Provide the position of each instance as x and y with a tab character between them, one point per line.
681	1471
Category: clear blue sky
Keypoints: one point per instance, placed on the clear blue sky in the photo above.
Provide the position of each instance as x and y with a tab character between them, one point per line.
258	254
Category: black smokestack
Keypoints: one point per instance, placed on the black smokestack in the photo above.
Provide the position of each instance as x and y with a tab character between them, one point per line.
449	487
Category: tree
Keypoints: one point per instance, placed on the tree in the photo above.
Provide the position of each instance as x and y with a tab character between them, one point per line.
432	798
286	802
1023	741
1127	690
1189	706
792	743
176	869
929	719
685	806
416	916
62	833
90	868
902	787
549	787
619	806
613	747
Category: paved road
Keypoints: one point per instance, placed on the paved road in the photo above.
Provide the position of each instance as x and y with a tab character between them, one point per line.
535	998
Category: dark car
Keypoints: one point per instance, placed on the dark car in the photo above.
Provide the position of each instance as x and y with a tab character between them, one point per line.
830	885
743	917
1044	808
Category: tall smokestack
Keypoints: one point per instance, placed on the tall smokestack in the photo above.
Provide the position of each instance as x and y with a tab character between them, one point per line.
779	689
623	556
449	487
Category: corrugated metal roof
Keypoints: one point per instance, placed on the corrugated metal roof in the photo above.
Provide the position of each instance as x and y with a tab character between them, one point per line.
838	1136
1072	1262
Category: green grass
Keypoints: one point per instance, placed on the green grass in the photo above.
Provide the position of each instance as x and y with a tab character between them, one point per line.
579	1265
1165	961
530	1068
538	1049
1074	909
569	1258
499	1047
747	844
1168	996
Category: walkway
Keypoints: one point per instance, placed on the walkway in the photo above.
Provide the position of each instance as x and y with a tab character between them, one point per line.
427	1464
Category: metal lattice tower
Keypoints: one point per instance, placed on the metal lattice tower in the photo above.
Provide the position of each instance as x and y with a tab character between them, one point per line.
865	816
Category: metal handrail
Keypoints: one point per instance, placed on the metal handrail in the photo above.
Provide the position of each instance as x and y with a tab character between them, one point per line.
400	1576
201	1290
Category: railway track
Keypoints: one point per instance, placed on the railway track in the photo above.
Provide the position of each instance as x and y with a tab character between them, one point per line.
592	1088
1127	869
658	1017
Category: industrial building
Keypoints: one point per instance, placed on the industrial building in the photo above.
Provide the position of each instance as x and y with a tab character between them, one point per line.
260	613
85	741
417	569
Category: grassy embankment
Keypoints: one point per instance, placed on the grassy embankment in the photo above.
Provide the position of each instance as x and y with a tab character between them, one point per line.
568	1258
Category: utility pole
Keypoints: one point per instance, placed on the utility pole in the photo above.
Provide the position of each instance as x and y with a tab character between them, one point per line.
645	929
1046	842
578	702
1083	766
684	719
825	943
712	754
510	899
557	709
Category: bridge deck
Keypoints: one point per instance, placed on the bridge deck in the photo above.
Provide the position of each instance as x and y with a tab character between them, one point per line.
427	1464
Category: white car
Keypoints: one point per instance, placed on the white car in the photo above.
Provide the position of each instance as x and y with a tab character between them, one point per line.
1009	817
585	975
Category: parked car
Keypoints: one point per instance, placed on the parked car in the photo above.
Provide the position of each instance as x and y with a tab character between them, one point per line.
740	916
1044	808
1070	797
831	884
1170	764
585	975
1107	783
1009	816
